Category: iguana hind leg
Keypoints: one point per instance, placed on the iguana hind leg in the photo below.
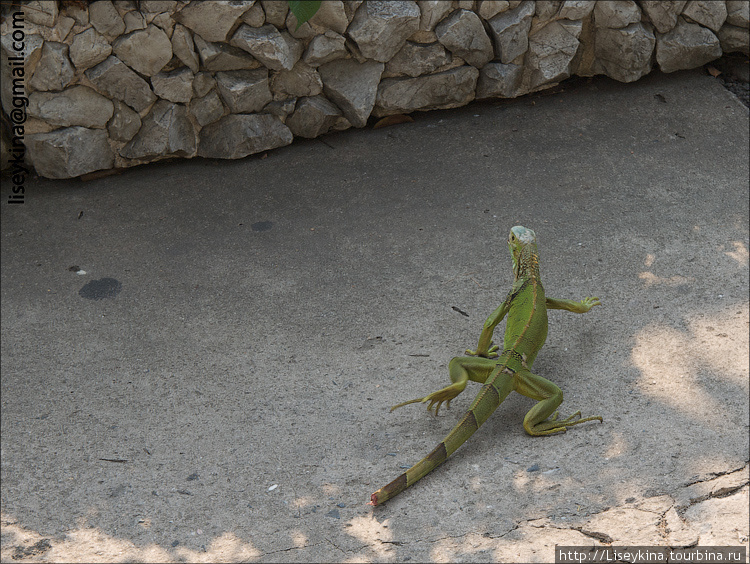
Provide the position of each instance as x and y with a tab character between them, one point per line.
461	370
549	398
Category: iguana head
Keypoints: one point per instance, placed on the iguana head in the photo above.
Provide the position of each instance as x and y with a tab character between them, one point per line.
522	245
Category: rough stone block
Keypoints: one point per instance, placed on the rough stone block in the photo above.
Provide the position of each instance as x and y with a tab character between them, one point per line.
302	80
432	12
244	91
184	48
380	28
442	90
106	19
125	122
275	50
54	71
462	33
352	86
734	39
616	14
69	152
499	80
175	86
415	59
711	14
510	31
663	13
236	136
166	131
88	49
313	116
115	79
687	46
212	20
625	54
146	51
576	9
207	109
78	105
551	52
325	48
223	57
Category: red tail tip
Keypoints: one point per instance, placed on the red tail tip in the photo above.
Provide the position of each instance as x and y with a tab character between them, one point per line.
373	500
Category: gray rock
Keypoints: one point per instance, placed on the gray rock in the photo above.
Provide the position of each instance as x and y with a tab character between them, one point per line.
184	48
79	13
687	46
432	12
331	16
236	136
663	13
625	54
448	89
124	124
738	13
78	105
69	152
115	79
281	108
709	14
275	12
734	39
63	27
490	8
616	14
244	91
146	51
352	86
380	28
545	10
134	21
415	59
462	33
223	57
88	49
499	80
312	117
157	6
202	83
165	23
105	19
207	109
275	50
54	70
510	31
212	20
175	86
551	52
576	9
255	16
325	48
166	131
302	80
40	12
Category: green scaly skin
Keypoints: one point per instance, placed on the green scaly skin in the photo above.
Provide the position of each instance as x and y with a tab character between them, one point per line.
501	371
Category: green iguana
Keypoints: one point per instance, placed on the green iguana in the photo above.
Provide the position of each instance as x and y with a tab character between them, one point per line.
501	372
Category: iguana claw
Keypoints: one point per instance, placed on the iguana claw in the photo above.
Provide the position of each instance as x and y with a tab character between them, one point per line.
491	353
588	303
436	398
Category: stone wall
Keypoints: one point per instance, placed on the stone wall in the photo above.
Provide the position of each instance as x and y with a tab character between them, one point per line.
115	84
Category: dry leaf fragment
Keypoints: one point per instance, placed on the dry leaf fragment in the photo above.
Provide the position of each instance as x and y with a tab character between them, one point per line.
393	120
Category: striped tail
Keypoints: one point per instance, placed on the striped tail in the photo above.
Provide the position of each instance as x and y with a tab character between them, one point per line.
487	401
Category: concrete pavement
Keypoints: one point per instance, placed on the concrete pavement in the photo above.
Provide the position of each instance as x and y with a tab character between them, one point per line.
198	357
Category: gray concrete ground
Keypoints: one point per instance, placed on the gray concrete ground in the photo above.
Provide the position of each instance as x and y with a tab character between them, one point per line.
216	385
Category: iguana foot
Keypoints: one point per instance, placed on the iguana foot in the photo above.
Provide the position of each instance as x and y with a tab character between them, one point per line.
588	303
491	353
552	425
437	398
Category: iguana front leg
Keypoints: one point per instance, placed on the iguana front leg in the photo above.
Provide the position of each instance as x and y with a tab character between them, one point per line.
461	370
485	348
571	305
549	397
